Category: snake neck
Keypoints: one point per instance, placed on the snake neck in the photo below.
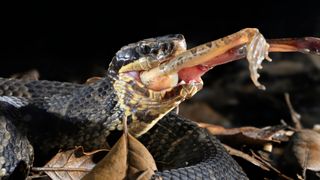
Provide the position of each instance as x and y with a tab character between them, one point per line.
142	107
107	102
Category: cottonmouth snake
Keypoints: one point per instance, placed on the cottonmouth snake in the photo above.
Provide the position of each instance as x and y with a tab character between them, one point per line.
38	117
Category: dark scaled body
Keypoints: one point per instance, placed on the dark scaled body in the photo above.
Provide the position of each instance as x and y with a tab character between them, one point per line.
37	118
54	115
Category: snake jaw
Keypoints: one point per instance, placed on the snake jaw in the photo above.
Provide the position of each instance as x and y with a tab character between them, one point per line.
143	107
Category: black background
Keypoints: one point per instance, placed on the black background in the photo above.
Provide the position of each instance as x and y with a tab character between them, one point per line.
74	40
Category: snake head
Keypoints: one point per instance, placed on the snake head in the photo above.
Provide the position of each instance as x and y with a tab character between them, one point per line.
146	54
142	104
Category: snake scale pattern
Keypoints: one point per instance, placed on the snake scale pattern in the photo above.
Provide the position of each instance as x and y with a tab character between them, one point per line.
38	117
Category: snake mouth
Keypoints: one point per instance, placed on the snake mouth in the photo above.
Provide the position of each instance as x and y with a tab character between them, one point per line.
163	83
186	68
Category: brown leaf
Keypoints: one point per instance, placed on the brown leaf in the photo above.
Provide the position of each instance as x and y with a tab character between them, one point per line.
128	159
66	165
249	135
305	145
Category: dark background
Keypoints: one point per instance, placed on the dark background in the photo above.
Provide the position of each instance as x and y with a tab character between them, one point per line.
76	41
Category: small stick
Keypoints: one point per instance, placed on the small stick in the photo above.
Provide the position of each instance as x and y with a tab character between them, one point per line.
242	155
37	176
270	166
59	169
294	115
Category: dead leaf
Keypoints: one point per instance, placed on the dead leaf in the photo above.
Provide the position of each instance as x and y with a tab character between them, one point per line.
249	135
305	145
128	159
219	130
67	165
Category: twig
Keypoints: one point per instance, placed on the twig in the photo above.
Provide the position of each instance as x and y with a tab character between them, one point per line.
60	169
244	156
36	177
176	110
256	160
270	166
294	115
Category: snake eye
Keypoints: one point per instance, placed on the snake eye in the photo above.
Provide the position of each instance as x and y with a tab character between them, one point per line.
145	49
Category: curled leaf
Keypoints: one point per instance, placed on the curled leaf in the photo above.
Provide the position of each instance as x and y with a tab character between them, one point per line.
68	165
249	135
128	159
305	145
